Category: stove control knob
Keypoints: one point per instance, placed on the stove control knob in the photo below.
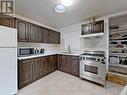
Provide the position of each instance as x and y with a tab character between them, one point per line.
80	58
98	59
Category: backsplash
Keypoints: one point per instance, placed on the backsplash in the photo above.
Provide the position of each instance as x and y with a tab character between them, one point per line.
47	47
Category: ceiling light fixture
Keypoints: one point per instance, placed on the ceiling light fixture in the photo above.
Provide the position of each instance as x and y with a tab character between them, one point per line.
67	2
60	9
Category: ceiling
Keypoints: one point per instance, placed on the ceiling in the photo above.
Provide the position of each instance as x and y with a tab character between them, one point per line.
42	10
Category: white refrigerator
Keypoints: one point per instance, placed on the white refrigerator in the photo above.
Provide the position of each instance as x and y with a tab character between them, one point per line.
8	61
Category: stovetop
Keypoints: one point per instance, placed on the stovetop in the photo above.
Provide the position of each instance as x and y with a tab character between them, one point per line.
94	53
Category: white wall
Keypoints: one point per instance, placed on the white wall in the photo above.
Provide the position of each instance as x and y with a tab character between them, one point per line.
72	33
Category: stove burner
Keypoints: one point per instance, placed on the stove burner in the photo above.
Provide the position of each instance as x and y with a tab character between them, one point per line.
94	53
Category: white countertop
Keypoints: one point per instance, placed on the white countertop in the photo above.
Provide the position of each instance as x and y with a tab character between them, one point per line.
34	56
47	54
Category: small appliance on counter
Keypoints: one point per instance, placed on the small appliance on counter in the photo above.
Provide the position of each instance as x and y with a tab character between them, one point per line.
93	66
39	51
30	51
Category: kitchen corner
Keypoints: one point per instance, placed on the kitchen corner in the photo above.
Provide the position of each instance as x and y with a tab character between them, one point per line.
63	47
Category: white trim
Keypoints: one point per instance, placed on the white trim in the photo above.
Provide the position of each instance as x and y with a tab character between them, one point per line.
92	35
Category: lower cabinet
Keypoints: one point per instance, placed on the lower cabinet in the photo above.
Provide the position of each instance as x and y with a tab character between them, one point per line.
74	65
30	70
24	72
69	64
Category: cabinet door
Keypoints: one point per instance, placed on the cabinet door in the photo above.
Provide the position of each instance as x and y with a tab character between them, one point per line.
32	33
42	67
7	21
37	67
45	38
53	63
47	65
24	72
39	34
74	65
50	36
60	63
66	63
57	37
54	37
22	29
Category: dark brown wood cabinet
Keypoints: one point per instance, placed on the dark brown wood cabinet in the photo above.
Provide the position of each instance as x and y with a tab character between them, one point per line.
57	36
69	64
30	70
50	36
74	67
61	63
45	35
33	37
28	32
24	72
33	69
7	21
54	37
22	30
40	34
53	63
37	68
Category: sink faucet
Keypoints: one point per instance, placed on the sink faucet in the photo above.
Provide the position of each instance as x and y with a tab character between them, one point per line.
69	49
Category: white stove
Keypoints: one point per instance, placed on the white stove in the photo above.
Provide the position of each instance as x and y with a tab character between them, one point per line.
93	67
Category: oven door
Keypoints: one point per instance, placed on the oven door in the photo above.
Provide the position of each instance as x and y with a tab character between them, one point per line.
93	69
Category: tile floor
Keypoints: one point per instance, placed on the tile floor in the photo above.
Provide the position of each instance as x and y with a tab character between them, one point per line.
59	83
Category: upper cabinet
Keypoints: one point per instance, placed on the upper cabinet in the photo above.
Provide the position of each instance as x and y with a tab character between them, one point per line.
56	37
29	32
22	29
7	21
33	33
40	34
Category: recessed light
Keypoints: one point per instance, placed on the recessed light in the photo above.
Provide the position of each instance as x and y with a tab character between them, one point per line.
67	2
60	9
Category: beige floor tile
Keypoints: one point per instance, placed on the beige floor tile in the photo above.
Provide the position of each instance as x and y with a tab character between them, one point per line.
59	83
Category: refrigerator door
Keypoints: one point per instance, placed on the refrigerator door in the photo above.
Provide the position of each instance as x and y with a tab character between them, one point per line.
8	71
8	37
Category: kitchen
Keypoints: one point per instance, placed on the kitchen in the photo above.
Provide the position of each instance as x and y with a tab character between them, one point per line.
59	54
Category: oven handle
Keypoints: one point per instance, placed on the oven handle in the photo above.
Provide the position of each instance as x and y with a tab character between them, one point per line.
92	63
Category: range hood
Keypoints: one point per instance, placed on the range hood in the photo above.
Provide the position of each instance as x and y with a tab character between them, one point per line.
93	28
92	19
